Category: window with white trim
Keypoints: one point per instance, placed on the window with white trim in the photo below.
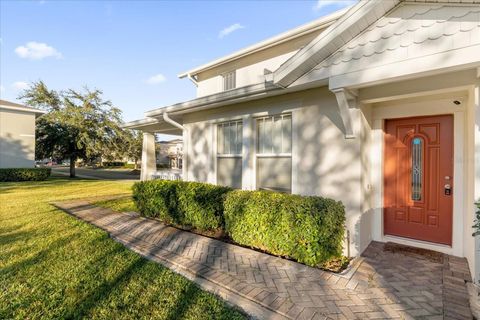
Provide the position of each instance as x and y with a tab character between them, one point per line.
229	80
274	153
229	154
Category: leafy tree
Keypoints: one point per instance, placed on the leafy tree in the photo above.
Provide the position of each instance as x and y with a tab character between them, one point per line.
134	146
78	125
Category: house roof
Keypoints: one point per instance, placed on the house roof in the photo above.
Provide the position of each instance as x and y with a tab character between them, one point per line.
352	23
20	107
339	33
307	28
345	26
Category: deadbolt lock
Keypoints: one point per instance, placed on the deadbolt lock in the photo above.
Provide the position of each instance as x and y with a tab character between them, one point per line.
448	189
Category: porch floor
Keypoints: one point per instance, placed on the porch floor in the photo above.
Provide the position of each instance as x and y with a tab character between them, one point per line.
382	284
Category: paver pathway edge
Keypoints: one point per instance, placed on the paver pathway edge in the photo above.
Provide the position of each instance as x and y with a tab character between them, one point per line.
273	288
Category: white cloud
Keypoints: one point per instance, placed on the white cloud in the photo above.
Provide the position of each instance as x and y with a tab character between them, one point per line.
321	4
156	79
2	88
37	51
20	85
234	27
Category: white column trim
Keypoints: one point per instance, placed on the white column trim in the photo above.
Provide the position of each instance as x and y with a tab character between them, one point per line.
248	152
149	163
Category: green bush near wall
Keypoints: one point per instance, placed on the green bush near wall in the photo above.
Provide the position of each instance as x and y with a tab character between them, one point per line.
309	230
189	204
24	174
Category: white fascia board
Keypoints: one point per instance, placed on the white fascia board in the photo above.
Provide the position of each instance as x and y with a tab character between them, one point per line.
137	124
231	96
24	109
321	23
339	33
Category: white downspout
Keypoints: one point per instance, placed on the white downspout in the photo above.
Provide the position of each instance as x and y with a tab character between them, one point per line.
167	119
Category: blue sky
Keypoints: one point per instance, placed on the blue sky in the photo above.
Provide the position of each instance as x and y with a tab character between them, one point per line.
133	50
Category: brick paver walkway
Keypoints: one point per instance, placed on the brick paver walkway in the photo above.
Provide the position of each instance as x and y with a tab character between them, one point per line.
380	285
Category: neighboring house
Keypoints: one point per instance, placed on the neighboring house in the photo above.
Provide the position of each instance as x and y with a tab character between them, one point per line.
170	153
17	135
377	106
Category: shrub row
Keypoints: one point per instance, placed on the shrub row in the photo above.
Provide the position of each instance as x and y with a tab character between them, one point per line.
24	174
189	204
309	230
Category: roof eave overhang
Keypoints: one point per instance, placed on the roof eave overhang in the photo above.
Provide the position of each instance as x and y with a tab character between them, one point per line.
218	99
152	125
154	117
37	112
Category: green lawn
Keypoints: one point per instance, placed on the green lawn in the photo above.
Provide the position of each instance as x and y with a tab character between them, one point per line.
55	266
123	204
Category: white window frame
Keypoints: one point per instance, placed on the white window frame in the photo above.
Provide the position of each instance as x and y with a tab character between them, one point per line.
233	75
219	155
256	143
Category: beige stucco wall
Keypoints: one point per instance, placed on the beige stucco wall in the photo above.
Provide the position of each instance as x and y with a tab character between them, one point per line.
324	163
17	139
250	69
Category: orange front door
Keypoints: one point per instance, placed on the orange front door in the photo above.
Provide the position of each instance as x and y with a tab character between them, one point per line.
418	178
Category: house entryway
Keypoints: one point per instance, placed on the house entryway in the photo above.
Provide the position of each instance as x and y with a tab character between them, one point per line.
418	178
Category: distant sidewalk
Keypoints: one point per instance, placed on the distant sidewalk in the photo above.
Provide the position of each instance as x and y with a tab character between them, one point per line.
382	284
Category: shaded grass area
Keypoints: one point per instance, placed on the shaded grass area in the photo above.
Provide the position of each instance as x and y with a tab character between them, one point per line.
55	266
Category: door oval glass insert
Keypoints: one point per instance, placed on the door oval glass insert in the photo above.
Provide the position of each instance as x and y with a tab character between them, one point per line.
417	168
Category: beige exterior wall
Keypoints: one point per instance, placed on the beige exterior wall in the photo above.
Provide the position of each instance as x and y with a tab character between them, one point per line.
17	139
323	161
250	69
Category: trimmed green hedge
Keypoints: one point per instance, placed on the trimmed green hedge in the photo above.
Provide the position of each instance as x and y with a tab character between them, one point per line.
189	204
24	174
307	229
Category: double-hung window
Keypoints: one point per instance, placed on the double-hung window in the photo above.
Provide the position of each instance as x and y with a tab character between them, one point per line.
229	154
274	153
229	81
